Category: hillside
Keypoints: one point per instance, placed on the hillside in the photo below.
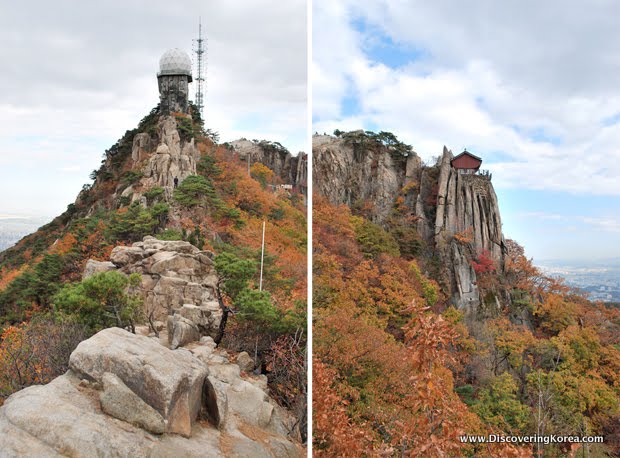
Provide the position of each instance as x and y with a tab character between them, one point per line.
98	266
429	325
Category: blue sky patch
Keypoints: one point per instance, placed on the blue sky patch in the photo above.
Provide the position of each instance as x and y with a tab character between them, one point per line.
350	105
538	135
611	120
554	225
380	47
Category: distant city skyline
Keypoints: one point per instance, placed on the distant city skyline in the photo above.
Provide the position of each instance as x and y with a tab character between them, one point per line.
77	75
530	87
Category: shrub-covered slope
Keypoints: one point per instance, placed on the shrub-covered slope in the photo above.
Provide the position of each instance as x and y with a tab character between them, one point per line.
402	369
170	179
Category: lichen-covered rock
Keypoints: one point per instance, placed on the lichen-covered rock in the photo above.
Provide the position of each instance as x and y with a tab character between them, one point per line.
181	331
174	273
245	362
120	402
94	267
64	418
170	382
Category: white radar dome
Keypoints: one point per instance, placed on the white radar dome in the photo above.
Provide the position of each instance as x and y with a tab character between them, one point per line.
175	62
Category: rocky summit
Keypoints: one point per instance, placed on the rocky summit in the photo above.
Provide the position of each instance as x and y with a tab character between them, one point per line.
128	395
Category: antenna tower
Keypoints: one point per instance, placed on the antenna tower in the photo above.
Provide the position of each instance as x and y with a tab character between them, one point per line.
200	50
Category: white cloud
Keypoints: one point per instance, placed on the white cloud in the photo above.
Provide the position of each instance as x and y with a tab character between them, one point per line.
528	86
70	169
77	75
603	223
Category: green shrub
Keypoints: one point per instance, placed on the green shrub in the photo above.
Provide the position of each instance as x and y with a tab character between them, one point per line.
207	166
194	190
131	176
123	201
197	238
235	272
498	405
170	234
185	126
154	194
408	239
373	239
102	301
137	222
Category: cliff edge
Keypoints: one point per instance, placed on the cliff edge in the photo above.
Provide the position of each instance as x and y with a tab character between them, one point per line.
456	215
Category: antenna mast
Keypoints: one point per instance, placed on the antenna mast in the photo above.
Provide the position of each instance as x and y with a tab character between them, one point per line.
200	50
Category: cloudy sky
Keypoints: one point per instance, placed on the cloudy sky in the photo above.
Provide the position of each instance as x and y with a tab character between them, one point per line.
531	87
76	75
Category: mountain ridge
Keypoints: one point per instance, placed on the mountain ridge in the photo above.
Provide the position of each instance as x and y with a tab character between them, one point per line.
167	178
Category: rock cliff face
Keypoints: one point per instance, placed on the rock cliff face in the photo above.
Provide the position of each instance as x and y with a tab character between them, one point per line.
442	202
467	205
158	157
283	163
172	158
346	174
128	396
160	163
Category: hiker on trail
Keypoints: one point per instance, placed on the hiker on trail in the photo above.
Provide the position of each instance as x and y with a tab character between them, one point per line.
176	182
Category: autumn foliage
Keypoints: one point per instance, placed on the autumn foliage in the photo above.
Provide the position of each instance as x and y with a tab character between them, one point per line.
381	356
221	208
395	377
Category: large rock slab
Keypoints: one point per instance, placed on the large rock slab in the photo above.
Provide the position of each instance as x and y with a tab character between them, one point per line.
94	267
123	255
65	418
17	443
120	402
170	382
249	403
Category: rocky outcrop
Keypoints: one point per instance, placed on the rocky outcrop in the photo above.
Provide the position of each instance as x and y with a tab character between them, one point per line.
279	160
245	362
119	388
175	276
172	158
442	202
94	267
141	147
467	202
169	383
353	175
466	205
181	331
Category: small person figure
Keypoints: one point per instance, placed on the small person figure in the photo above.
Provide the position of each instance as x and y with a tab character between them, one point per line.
176	182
